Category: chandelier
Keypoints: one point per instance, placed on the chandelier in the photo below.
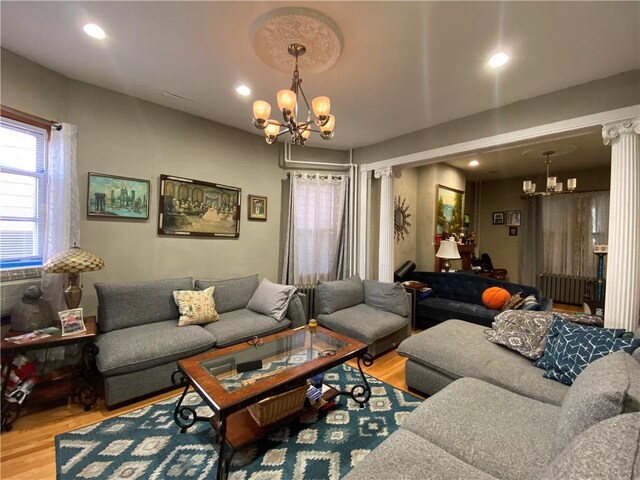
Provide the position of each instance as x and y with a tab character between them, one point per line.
553	186
288	105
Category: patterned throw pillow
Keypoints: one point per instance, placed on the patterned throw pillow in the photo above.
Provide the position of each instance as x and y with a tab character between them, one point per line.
196	307
514	302
577	346
524	332
530	303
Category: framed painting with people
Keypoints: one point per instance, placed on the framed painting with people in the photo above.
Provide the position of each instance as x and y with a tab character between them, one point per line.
196	208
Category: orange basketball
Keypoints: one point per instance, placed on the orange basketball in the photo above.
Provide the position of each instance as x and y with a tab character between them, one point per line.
495	297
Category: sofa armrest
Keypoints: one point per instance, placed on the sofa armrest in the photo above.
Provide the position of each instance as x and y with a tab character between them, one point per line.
546	304
296	311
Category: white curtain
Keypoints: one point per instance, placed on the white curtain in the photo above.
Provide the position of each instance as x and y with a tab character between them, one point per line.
62	223
317	235
572	225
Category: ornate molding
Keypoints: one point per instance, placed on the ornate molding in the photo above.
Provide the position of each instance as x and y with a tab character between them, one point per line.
274	31
383	172
614	130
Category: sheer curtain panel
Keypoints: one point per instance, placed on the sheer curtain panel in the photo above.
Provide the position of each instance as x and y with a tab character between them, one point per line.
62	222
317	228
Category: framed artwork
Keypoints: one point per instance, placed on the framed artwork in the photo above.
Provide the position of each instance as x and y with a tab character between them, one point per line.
513	231
195	208
449	204
71	321
512	218
498	218
117	197
257	209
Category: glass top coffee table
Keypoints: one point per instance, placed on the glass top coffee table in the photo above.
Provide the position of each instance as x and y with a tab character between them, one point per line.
231	379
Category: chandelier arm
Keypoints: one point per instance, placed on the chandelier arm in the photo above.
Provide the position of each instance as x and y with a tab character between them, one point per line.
306	103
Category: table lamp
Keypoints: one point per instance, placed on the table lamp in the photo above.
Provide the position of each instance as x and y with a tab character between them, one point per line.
73	261
448	251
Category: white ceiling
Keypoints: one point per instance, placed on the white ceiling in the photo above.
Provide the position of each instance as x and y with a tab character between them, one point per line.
404	66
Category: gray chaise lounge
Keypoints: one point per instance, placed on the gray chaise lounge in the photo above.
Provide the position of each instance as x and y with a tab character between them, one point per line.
140	341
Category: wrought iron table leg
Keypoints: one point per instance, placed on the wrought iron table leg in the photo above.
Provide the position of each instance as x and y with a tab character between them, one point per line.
10	410
361	393
223	458
87	393
184	415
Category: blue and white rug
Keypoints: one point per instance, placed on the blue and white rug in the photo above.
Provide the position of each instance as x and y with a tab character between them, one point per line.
146	443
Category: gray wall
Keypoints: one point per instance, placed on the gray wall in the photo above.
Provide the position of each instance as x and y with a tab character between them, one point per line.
121	135
502	195
598	96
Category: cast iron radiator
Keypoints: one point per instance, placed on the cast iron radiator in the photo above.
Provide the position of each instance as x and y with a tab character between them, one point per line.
568	289
309	291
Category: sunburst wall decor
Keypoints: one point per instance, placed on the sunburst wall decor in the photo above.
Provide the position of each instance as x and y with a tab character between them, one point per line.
401	221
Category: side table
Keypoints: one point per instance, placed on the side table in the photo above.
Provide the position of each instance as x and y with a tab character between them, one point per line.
85	392
413	287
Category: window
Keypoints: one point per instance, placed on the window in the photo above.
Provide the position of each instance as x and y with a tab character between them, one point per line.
23	159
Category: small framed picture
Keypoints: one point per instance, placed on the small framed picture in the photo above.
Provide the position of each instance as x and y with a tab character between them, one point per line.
72	322
513	231
498	218
512	218
257	207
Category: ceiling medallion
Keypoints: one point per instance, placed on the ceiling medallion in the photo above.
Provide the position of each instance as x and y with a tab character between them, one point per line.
274	31
291	114
401	216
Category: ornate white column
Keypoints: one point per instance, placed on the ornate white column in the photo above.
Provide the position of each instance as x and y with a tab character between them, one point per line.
622	301
385	254
363	220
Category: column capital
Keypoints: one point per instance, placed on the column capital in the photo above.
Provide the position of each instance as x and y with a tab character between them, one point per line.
614	130
383	172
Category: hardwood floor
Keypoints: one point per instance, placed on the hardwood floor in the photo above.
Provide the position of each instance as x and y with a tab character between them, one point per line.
28	451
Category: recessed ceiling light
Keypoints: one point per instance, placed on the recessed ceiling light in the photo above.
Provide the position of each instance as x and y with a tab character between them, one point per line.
243	90
498	60
94	31
474	163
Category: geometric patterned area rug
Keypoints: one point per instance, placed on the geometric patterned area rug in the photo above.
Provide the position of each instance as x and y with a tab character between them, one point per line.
146	443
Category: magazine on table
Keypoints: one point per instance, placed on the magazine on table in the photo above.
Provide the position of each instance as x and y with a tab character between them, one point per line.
27	337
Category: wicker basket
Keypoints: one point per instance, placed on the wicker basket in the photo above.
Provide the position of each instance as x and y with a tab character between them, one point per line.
277	407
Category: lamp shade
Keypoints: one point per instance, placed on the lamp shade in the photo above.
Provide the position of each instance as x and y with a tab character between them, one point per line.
286	100
261	110
329	126
321	106
448	249
74	260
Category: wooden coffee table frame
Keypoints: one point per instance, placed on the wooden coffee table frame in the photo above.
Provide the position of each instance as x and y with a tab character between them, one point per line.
231	420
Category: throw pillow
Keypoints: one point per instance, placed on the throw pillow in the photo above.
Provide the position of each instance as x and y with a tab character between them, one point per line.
196	307
271	299
603	390
607	450
338	295
514	302
390	297
524	332
495	297
530	303
550	348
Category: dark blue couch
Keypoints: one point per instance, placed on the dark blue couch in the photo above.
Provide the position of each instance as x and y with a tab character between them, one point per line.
459	295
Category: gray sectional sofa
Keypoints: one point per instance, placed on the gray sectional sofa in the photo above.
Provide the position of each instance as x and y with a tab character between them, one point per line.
375	313
140	342
504	427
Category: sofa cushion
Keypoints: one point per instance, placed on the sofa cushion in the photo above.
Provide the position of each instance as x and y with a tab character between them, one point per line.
231	294
196	307
606	388
271	299
241	325
459	349
390	297
145	346
522	331
514	303
442	309
122	305
405	455
364	323
530	303
499	432
339	294
605	451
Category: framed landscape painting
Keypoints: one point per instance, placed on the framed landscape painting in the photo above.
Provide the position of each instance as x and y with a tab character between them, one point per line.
449	206
117	197
195	208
